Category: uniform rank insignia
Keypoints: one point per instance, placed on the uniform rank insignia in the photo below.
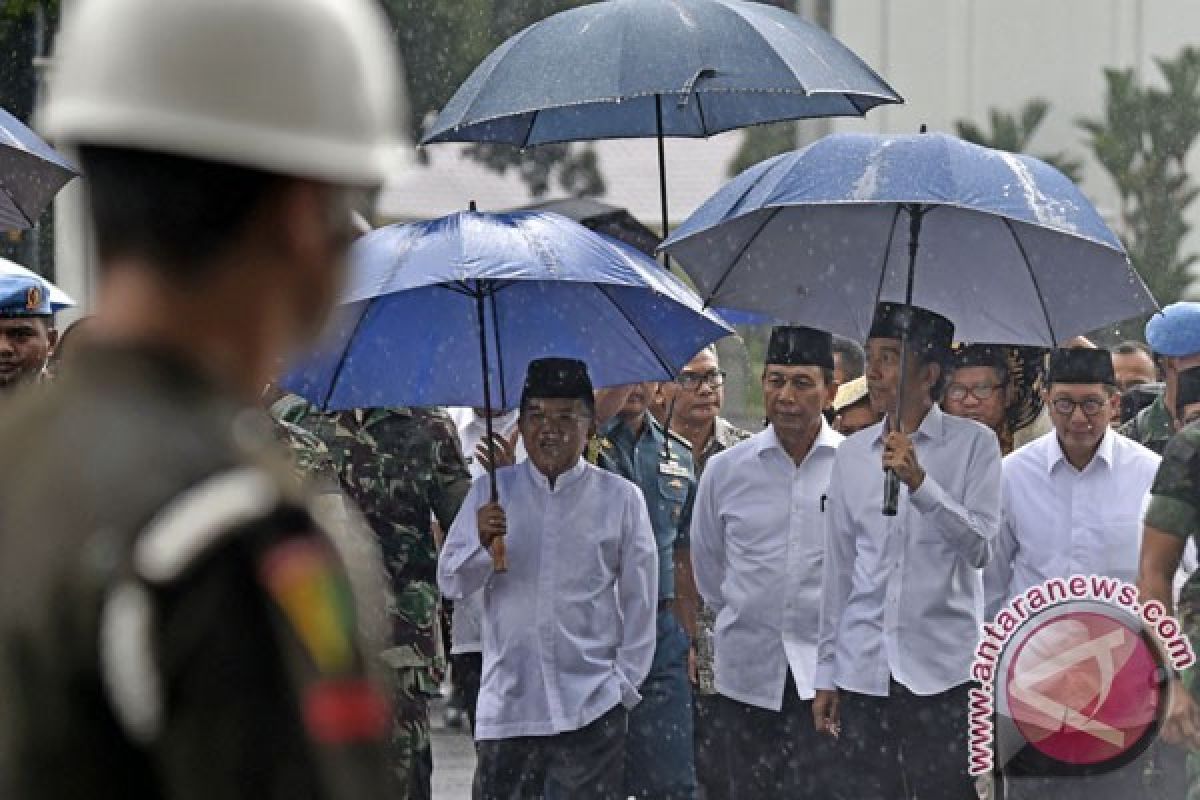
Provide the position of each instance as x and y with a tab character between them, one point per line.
33	298
303	578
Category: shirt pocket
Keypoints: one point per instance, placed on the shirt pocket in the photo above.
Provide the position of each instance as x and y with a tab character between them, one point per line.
672	494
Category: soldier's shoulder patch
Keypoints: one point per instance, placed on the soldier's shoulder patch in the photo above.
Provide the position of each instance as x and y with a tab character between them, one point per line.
304	578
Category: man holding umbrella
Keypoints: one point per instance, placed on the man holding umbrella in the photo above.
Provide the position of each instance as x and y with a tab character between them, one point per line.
568	632
903	593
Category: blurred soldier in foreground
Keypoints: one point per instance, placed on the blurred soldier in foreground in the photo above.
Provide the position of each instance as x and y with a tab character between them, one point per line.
175	621
27	333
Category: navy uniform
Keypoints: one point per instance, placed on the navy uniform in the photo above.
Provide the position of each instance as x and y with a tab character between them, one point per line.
1173	333
659	756
182	627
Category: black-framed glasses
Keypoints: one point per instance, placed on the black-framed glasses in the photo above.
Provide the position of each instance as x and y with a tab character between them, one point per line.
558	420
691	380
1091	406
957	392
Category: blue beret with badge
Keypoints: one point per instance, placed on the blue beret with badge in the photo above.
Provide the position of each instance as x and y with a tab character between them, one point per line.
1175	331
24	296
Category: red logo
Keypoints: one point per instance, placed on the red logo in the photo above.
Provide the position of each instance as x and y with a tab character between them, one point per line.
1085	688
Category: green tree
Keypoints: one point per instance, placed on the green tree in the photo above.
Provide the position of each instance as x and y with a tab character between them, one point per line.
1013	133
442	42
1142	141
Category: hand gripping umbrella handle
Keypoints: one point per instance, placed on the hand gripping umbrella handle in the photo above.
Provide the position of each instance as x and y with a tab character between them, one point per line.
891	492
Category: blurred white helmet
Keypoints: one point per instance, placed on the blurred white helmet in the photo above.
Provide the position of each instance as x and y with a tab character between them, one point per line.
307	88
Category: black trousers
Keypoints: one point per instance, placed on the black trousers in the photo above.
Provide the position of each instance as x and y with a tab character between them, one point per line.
906	746
712	754
587	764
779	753
466	670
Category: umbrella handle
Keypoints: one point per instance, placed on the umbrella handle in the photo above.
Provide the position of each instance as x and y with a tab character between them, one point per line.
891	492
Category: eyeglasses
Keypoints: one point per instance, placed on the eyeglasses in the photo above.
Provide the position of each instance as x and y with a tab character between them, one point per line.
957	392
1091	406
692	380
560	420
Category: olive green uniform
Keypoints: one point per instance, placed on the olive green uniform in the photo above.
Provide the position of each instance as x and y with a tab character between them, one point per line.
174	621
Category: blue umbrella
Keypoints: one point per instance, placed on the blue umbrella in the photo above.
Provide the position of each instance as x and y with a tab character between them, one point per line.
451	311
643	68
31	173
1003	245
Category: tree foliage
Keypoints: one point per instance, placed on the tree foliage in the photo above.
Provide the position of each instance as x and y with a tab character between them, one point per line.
1142	141
442	42
1013	133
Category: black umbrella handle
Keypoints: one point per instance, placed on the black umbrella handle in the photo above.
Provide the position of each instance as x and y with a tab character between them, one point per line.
891	493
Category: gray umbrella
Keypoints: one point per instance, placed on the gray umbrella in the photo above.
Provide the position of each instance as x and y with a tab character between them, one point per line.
656	68
31	173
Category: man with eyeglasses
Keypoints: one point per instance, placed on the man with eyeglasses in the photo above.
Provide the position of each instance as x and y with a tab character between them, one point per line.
1072	505
660	759
758	546
569	628
694	401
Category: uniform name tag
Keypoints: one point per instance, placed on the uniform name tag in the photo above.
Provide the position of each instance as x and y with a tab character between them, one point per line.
673	469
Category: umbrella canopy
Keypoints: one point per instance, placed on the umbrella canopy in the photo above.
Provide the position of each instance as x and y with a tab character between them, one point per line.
422	298
31	173
612	221
601	70
1004	245
58	298
654	68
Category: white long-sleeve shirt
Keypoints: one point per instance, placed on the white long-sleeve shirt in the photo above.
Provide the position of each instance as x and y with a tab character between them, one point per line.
903	595
1059	521
569	629
466	626
758	543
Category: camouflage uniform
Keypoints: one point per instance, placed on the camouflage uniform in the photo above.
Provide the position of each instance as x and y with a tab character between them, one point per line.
402	466
1152	426
1175	509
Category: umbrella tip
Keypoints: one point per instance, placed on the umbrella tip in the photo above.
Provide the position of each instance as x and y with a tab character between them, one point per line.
471	206
924	128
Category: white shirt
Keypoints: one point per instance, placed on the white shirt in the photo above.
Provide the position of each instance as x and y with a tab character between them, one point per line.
758	543
1059	521
569	629
466	624
904	595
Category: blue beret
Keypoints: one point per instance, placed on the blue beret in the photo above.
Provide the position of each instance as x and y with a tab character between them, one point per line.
24	296
1175	331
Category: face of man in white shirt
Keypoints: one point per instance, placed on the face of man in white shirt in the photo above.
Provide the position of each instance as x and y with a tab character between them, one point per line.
555	432
883	376
795	396
1079	431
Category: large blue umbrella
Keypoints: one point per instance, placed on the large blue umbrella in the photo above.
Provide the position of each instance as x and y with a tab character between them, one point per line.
655	68
31	173
1003	245
451	311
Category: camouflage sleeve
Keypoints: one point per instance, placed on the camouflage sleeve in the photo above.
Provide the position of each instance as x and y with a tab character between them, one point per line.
1175	496
451	479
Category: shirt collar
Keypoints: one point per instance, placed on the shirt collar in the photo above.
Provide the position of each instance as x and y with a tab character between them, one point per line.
1104	453
615	429
566	479
931	427
827	437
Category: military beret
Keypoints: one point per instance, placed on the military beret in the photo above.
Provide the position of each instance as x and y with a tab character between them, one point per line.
798	346
24	296
557	378
928	332
1187	389
1081	365
1175	331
